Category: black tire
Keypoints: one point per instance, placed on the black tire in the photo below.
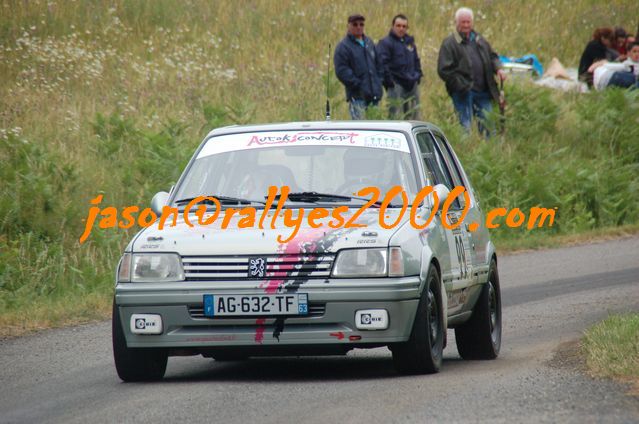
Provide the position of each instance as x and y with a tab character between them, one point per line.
135	364
422	353
480	336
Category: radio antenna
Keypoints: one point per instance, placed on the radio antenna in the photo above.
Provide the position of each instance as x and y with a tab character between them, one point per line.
328	79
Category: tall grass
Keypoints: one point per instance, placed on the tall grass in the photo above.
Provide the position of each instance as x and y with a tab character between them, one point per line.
611	348
112	98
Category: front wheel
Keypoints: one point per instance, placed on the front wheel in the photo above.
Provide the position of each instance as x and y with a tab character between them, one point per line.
480	336
135	364
422	353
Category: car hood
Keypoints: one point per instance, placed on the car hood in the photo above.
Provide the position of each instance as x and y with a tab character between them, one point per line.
214	240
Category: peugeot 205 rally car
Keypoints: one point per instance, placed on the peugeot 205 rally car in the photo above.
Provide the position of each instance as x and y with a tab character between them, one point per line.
250	273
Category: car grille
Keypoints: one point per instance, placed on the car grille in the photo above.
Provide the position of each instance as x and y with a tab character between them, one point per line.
216	268
314	310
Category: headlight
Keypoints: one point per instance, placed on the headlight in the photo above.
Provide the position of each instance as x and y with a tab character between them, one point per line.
361	263
151	267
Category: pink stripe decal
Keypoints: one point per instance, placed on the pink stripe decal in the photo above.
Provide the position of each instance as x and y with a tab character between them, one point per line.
301	245
259	332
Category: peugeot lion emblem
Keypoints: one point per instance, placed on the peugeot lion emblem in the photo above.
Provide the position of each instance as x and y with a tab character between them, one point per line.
257	267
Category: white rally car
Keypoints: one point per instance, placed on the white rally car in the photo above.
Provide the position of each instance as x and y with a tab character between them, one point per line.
276	282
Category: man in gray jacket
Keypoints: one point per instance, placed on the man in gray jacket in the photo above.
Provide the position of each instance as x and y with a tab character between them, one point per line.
468	66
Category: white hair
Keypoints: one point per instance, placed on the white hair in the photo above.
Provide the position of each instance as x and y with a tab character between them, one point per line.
464	11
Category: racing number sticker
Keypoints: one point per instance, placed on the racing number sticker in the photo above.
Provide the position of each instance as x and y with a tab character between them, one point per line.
461	248
461	256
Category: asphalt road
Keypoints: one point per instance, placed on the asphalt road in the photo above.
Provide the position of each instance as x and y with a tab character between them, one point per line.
550	297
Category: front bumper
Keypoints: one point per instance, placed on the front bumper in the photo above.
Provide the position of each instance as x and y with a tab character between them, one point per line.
335	302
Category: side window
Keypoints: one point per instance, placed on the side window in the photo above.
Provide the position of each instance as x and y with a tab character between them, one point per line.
444	148
435	165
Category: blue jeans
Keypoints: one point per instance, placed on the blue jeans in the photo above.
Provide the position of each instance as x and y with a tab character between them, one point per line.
357	108
402	103
473	103
623	79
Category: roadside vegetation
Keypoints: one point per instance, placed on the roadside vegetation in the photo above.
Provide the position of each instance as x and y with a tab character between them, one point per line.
611	349
113	97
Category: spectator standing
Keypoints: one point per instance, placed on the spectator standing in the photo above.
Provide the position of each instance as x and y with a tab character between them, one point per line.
596	50
402	70
357	67
468	65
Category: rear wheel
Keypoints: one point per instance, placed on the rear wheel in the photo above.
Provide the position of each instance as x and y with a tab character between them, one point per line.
422	353
135	364
480	336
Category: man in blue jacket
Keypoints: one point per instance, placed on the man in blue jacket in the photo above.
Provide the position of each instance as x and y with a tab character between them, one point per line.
357	66
402	70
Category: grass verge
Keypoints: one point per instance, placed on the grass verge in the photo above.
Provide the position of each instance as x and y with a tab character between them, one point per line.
536	241
42	315
611	349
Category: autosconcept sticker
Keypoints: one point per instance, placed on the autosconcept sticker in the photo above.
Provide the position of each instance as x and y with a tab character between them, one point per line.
373	139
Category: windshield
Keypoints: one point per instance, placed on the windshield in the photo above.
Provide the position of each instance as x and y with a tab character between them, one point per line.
245	165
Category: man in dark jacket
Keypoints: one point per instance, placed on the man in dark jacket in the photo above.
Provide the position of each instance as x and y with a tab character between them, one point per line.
402	70
468	65
358	68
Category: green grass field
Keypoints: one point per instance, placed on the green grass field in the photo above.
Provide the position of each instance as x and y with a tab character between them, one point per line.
113	97
611	348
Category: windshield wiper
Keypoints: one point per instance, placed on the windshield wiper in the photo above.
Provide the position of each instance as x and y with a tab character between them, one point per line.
314	197
222	199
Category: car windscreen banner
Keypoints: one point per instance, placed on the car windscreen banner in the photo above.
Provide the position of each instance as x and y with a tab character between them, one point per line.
388	140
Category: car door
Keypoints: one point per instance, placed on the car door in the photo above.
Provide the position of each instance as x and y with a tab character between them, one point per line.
471	216
459	274
478	238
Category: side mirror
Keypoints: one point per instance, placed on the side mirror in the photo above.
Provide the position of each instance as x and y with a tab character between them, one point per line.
159	201
442	193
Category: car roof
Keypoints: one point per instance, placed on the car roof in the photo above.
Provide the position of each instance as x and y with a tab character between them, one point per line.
406	126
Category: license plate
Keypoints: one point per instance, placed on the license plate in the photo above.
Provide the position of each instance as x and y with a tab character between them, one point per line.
256	304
